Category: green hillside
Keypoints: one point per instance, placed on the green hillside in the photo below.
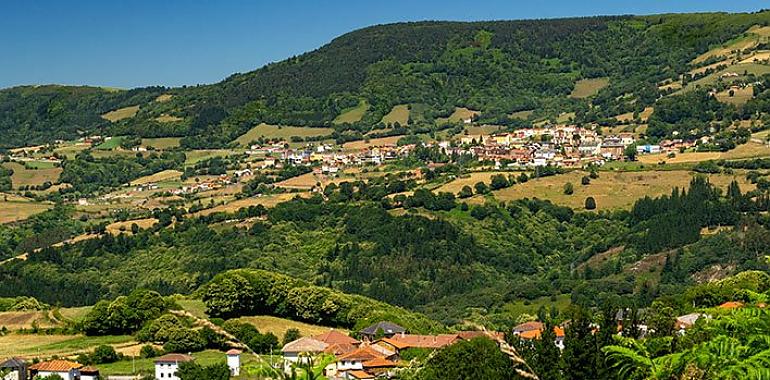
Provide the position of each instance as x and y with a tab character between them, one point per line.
497	68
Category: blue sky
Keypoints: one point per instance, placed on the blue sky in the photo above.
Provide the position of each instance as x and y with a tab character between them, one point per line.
172	42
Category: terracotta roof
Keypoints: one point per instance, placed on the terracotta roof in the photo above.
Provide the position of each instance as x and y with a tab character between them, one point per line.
362	354
384	351
234	352
425	341
55	366
335	337
535	334
360	375
731	305
89	370
379	363
528	326
399	345
174	358
305	344
340	349
468	335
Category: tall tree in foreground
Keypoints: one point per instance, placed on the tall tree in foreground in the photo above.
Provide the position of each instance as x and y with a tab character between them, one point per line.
580	355
479	358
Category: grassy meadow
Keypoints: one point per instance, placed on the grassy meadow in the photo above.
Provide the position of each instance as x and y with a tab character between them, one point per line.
353	114
32	177
280	132
586	88
399	114
120	114
612	190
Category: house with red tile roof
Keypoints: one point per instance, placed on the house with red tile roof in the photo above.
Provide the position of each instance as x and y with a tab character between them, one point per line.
424	341
335	337
67	370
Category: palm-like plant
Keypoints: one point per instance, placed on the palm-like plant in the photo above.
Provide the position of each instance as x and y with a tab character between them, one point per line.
737	347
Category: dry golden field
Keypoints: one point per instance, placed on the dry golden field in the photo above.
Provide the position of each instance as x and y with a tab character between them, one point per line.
364	144
120	114
585	88
31	177
611	190
280	132
278	326
399	114
163	176
458	116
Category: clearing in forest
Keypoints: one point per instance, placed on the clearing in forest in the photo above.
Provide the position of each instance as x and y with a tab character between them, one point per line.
14	208
121	113
31	177
353	114
460	115
739	98
399	114
161	143
586	88
280	132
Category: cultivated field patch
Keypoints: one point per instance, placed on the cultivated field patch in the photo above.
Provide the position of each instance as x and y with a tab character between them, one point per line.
161	143
460	115
365	144
265	200
163	176
399	114
739	95
585	88
31	177
121	113
611	190
280	132
469	180
16	208
352	115
523	115
278	326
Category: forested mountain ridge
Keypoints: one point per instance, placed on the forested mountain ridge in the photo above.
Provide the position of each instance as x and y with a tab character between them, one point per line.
495	68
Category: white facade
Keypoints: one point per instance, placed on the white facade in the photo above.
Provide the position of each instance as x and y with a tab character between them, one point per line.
234	363
66	375
166	371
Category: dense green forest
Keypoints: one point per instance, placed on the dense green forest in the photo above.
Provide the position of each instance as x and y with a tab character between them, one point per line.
442	257
492	67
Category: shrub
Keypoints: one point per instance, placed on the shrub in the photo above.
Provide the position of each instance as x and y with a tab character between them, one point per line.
104	354
590	203
291	335
569	189
148	351
585	180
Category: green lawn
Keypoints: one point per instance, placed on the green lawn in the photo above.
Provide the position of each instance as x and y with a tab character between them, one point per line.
353	114
195	307
208	357
48	345
530	307
585	88
110	144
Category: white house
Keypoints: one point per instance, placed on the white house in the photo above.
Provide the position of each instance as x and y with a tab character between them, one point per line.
300	350
66	369
234	362
167	365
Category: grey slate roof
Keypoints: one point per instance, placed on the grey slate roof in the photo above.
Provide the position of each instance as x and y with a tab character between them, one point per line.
387	327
